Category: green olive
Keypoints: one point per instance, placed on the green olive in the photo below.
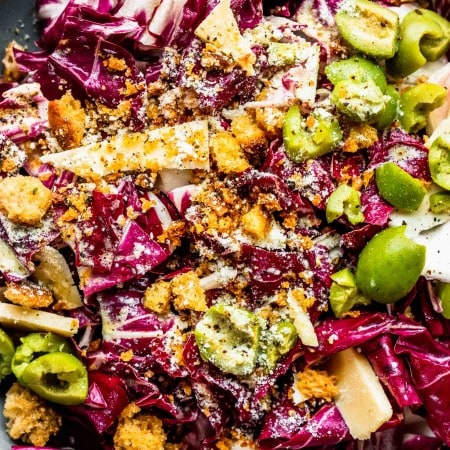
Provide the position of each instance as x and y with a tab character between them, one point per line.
389	265
6	354
398	187
34	345
439	160
59	377
228	337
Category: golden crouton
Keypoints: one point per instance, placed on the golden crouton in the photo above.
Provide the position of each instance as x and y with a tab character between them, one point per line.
256	223
11	70
187	292
157	297
317	384
24	199
249	136
28	294
227	153
139	430
28	417
66	118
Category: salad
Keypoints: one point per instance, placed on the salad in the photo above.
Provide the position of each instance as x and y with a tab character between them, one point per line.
225	224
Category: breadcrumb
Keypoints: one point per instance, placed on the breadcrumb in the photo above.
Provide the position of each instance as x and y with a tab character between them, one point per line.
29	417
11	70
21	190
67	121
317	384
227	153
28	294
157	297
256	223
187	292
249	136
138	430
360	136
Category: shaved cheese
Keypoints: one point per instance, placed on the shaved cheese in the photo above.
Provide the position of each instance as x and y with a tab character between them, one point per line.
361	400
35	320
54	272
221	31
9	262
183	146
302	322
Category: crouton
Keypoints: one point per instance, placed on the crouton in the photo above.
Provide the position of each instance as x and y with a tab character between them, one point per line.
188	293
157	297
249	136
28	417
24	199
28	294
11	70
66	118
138	430
316	384
256	223
227	153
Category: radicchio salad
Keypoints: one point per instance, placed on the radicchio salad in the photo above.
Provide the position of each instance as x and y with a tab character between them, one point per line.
225	225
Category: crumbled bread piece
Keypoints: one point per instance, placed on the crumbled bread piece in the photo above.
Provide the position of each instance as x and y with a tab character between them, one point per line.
360	136
67	121
227	153
157	297
28	417
316	384
24	199
249	136
271	120
139	430
188	293
256	222
11	70
28	294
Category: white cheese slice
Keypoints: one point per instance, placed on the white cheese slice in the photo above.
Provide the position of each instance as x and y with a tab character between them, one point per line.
54	272
183	146
29	319
361	400
221	31
9	262
302	322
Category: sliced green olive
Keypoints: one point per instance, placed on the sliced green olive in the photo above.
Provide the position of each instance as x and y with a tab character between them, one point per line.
440	202
59	377
439	160
398	187
6	354
228	337
368	27
389	265
344	200
358	69
344	294
303	142
416	104
361	101
34	345
275	342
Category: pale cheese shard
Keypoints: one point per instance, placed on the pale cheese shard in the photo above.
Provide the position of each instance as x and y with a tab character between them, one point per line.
221	31
29	319
361	400
302	322
53	271
9	263
182	146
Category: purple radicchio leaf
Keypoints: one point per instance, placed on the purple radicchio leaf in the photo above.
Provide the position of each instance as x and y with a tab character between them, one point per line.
404	150
290	427
429	362
391	370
